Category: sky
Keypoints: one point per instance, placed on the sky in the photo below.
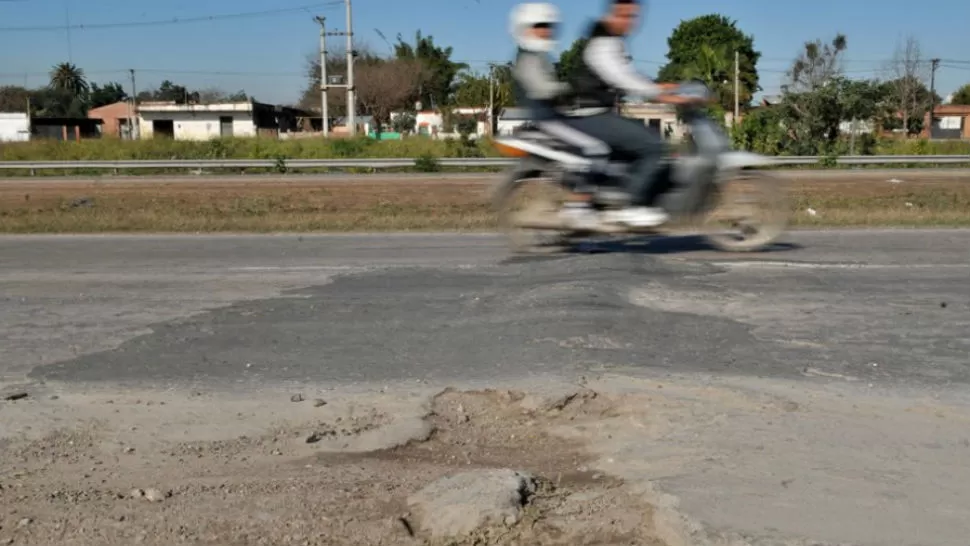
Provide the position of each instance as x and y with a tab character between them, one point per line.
265	54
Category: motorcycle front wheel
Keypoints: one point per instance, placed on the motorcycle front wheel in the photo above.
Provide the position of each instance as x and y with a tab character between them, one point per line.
751	212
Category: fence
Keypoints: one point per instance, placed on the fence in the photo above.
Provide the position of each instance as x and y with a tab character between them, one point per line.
392	163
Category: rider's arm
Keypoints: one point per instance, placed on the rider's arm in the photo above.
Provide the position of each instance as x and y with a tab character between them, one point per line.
606	56
538	81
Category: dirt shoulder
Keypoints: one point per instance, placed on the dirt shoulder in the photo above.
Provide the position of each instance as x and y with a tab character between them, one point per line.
99	470
615	460
378	203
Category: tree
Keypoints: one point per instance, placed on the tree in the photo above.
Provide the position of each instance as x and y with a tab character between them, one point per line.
909	76
962	95
439	70
212	95
386	86
169	92
70	79
813	118
466	126
910	118
713	67
14	98
761	131
472	89
110	93
57	103
404	122
817	65
569	60
336	66
704	48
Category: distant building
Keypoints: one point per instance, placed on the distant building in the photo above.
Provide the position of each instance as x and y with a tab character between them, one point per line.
950	121
340	127
116	119
14	127
209	121
70	129
510	119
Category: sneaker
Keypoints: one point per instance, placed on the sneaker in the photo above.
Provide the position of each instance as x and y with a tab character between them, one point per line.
579	216
639	216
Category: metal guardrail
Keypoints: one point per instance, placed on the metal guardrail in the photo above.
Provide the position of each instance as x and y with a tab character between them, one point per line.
296	164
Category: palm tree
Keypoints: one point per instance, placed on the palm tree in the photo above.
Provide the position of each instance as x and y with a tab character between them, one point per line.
69	78
711	66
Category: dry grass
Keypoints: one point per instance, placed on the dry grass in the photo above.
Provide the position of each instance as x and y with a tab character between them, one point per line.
385	205
878	203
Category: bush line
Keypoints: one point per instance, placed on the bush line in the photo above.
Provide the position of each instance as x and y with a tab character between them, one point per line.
425	149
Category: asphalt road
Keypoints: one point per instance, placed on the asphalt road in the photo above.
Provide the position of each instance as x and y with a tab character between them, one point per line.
884	306
826	392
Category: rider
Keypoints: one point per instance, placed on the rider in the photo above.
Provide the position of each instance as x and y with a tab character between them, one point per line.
536	87
604	69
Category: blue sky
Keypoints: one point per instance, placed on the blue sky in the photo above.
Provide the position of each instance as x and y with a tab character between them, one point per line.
266	55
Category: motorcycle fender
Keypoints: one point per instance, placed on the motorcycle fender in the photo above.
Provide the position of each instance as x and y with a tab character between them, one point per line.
524	169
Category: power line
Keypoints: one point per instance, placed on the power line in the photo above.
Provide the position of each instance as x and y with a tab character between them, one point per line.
220	72
172	21
177	72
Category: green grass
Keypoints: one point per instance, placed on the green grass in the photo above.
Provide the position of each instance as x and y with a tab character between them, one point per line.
238	148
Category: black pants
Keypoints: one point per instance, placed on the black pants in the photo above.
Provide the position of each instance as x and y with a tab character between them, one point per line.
627	138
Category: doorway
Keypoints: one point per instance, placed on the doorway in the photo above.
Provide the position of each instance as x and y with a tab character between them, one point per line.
164	128
225	126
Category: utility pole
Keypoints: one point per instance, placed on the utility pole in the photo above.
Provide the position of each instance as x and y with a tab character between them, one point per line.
934	64
491	100
324	103
737	86
30	119
133	132
325	83
351	104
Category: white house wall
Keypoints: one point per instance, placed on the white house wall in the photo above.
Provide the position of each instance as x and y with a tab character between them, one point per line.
198	125
14	127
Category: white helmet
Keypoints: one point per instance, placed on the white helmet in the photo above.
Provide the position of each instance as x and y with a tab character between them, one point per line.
526	16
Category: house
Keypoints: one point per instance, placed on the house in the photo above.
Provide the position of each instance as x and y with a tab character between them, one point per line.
65	128
510	119
660	117
950	121
428	123
209	121
116	119
432	122
340	127
771	100
14	127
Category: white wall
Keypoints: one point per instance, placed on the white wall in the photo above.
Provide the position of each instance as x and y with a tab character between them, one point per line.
14	127
505	127
198	125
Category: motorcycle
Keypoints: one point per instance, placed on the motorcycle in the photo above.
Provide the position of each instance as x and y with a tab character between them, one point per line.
699	189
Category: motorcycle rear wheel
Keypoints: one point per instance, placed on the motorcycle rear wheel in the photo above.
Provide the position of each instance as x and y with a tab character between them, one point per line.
531	202
756	207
